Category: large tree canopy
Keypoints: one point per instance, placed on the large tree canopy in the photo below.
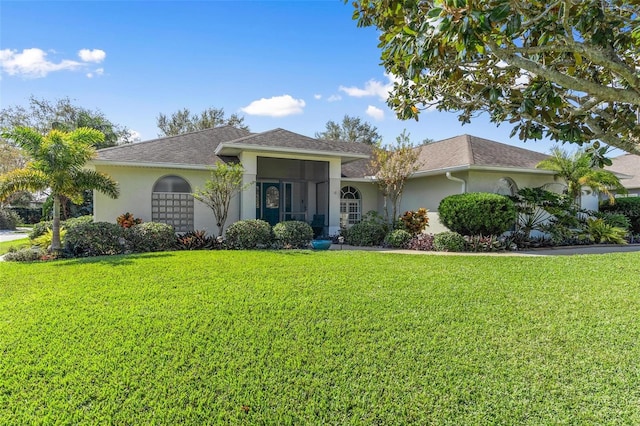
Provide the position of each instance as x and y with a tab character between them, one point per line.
564	69
44	116
352	129
183	121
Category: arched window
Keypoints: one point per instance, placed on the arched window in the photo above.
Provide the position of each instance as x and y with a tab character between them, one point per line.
172	203
506	186
350	206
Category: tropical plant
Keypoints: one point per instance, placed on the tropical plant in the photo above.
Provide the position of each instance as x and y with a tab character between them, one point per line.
44	240
194	240
423	242
57	165
415	222
226	182
562	69
601	232
628	206
127	220
477	213
577	170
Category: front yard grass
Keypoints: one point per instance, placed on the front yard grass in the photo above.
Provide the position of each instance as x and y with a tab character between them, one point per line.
299	337
5	246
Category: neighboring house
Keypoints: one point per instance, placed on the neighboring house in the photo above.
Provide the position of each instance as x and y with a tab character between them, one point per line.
326	183
628	165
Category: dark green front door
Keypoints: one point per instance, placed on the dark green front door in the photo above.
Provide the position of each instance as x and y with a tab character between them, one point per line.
270	202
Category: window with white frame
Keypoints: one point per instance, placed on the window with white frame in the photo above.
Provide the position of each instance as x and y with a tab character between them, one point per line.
350	206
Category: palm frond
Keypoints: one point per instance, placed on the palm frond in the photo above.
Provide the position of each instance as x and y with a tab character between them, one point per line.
22	180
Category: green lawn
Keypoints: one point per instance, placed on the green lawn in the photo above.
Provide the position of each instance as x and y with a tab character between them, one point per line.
5	246
321	338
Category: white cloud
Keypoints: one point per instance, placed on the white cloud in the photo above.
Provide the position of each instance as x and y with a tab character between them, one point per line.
318	97
32	63
97	72
371	88
374	112
95	55
277	106
334	98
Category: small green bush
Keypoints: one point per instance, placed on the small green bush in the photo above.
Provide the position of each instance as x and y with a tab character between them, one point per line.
94	239
477	213
614	219
41	228
449	241
293	234
398	238
249	234
628	206
150	236
25	255
9	219
369	232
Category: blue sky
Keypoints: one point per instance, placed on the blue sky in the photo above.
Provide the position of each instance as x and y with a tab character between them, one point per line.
288	64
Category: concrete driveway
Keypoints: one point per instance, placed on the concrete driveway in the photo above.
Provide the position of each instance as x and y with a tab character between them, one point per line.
13	235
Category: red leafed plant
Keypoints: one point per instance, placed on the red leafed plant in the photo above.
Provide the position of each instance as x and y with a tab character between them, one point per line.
127	220
415	221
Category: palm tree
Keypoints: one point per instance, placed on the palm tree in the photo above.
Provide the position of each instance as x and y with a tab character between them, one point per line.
56	163
578	171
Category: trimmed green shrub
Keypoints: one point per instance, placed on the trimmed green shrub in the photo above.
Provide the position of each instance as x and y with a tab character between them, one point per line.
293	234
477	213
449	241
150	236
249	234
9	219
369	232
628	206
398	238
25	255
41	228
94	239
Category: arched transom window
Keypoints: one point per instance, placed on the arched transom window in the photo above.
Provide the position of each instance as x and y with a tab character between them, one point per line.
506	186
172	203
350	206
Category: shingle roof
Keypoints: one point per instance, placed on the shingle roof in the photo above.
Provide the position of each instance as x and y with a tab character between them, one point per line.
462	151
467	150
628	164
195	148
285	139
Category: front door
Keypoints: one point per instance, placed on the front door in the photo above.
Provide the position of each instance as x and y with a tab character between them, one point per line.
270	202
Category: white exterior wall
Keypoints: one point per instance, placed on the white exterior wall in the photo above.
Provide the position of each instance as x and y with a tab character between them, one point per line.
136	186
480	181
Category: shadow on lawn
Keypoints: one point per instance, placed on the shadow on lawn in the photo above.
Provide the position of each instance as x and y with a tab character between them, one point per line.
116	260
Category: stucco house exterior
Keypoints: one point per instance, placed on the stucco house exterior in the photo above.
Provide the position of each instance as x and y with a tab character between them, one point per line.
295	177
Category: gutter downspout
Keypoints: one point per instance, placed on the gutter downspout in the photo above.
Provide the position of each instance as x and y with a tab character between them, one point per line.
455	179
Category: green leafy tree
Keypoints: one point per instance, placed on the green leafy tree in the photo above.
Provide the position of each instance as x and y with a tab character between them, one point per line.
352	129
577	171
225	183
57	165
391	167
183	121
567	69
43	116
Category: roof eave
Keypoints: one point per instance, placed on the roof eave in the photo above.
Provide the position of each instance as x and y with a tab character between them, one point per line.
469	167
150	165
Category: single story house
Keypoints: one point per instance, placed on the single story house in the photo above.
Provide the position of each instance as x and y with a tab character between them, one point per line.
295	177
